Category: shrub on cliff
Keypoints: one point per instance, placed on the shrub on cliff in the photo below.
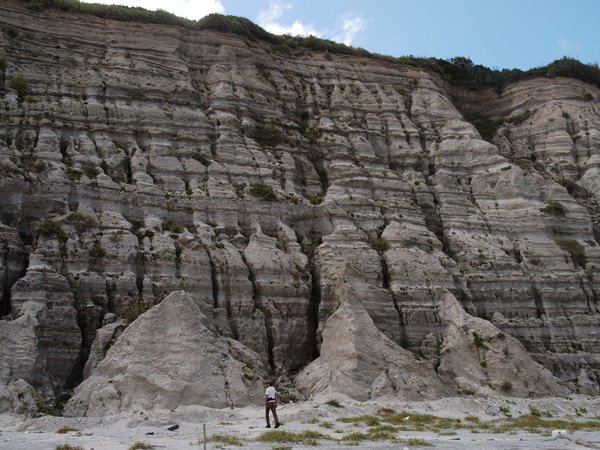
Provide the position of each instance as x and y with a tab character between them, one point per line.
268	135
263	191
20	85
575	249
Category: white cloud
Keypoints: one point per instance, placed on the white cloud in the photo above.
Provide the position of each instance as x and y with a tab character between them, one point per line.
269	19
274	12
566	47
191	9
352	25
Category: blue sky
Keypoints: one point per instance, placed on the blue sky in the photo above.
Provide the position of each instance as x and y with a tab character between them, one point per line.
498	34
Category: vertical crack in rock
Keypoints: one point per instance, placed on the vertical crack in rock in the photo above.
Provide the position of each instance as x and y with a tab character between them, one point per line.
215	281
539	303
315	301
266	313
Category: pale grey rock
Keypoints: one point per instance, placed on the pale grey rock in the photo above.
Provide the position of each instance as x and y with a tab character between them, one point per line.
168	357
358	360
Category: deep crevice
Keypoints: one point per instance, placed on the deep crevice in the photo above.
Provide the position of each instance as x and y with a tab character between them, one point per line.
314	304
266	314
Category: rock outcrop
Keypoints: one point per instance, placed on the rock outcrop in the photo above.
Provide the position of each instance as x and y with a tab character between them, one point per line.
170	356
294	196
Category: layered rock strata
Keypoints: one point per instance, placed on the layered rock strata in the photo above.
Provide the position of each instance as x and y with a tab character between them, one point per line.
140	159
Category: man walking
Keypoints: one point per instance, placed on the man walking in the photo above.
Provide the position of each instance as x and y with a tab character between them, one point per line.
271	398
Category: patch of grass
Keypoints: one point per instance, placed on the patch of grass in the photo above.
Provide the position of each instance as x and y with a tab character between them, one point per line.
535	424
367	419
416	442
334	403
224	439
65	430
141	446
355	436
68	447
575	249
281	436
409	421
554	208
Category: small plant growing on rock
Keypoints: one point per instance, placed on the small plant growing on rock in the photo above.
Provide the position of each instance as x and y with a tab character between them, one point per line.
90	170
20	85
97	251
263	191
554	208
315	199
381	244
575	249
174	227
478	340
49	227
201	159
507	386
268	135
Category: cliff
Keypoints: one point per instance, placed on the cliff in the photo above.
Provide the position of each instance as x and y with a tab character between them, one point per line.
328	218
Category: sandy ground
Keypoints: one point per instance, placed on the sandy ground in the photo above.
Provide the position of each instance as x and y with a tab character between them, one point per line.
152	427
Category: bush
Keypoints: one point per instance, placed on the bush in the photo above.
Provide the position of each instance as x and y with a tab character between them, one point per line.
97	251
381	244
19	84
315	199
263	191
268	135
554	208
201	159
575	249
573	188
488	127
49	227
174	227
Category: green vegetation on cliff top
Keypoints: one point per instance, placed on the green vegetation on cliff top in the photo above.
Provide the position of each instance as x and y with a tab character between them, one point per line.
458	71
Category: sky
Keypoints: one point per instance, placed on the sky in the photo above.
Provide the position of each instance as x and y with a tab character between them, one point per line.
505	34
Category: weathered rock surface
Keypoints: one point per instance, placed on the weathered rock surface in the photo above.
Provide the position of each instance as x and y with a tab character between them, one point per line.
170	356
143	159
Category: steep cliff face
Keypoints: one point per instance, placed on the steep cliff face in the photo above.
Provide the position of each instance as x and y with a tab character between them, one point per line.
140	159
